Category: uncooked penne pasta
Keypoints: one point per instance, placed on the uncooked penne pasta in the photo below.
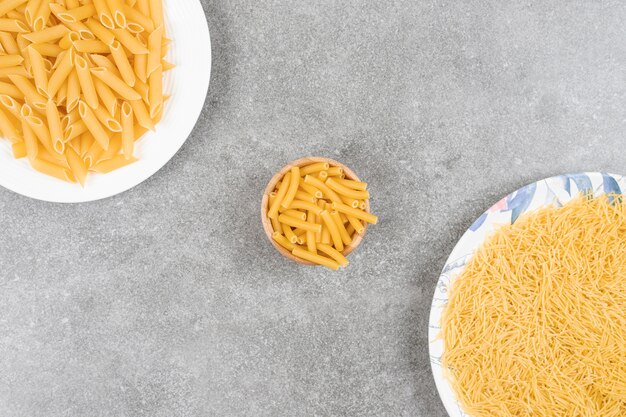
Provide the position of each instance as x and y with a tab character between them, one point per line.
64	67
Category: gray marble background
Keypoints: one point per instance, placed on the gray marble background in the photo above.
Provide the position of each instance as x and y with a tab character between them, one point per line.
167	300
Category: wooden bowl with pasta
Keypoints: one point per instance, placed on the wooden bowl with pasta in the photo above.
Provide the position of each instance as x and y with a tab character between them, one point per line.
355	229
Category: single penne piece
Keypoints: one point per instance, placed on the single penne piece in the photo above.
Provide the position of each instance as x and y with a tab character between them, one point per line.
11	90
81	29
107	120
123	65
8	129
86	82
21	71
30	141
293	222
359	214
91	46
73	15
155	94
13	25
310	236
116	84
107	97
86	141
117	162
53	157
345	191
128	131
333	230
141	114
8	43
289	234
53	170
305	205
73	92
135	16
74	130
350	201
304	196
300	215
47	35
61	73
93	125
31	10
104	14
293	187
355	185
356	224
77	165
154	50
101	32
328	193
316	259
314	168
156	12
130	42
40	20
61	96
310	189
47	49
276	226
30	92
143	90
54	125
283	241
140	65
333	253
11	105
280	195
335	172
115	145
39	71
345	237
10	60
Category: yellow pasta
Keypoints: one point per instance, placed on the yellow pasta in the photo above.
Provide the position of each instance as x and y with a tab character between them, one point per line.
66	66
128	132
324	225
123	65
346	191
86	82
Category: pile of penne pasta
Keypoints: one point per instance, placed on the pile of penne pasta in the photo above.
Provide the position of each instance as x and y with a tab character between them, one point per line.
80	81
316	212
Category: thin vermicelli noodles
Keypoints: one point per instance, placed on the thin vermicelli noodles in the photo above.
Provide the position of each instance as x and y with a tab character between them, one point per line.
536	322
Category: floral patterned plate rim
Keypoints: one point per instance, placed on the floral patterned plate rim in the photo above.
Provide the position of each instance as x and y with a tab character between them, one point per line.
556	190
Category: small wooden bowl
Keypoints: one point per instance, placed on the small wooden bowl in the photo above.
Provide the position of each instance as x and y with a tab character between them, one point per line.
267	224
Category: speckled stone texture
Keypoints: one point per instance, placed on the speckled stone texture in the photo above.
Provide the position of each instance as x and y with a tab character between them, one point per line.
168	301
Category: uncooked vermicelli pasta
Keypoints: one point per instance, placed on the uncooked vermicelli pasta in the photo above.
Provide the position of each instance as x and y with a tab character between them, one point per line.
536	322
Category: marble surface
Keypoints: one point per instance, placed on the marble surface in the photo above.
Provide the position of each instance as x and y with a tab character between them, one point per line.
168	301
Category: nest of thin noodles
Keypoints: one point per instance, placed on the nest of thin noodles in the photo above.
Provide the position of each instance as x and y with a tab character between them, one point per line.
536	322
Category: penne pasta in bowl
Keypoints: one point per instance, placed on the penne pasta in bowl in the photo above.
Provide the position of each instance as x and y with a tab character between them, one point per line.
315	211
89	102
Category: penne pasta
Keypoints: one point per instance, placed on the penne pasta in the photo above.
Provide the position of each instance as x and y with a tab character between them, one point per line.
91	46
47	35
104	14
134	16
30	92
115	83
40	19
54	125
154	51
73	91
293	187
130	42
47	49
53	170
101	32
61	73
86	82
76	165
343	233
346	191
8	5
123	65
108	121
10	60
93	125
8	128
317	259
332	229
117	12
117	162
107	97
128	131
333	253
155	93
156	12
11	90
141	114
74	130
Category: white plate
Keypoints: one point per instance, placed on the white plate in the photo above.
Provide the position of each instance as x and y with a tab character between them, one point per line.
187	84
555	190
